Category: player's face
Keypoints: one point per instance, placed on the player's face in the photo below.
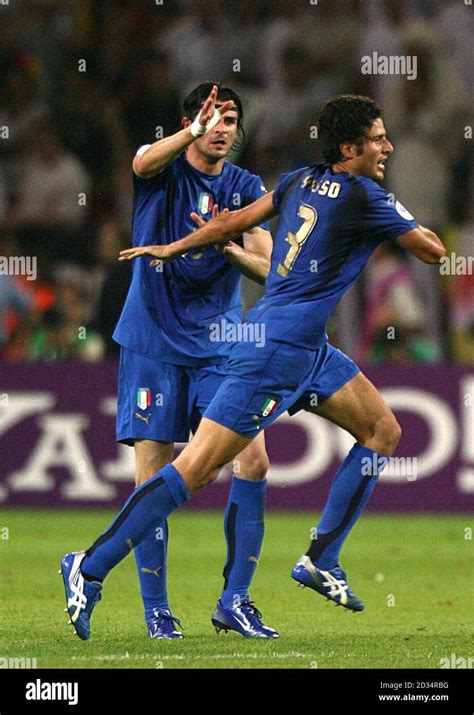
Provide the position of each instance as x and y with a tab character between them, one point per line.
373	152
217	143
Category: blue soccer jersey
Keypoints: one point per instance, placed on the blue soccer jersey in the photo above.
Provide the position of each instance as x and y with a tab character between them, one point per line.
329	225
169	311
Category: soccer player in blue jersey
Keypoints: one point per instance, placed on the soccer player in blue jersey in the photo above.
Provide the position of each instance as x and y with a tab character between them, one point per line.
171	363
332	217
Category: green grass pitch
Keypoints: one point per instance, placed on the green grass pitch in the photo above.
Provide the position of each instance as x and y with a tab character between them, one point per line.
413	572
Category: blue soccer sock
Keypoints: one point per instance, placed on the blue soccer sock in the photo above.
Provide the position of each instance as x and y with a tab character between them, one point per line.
150	557
350	491
244	529
150	502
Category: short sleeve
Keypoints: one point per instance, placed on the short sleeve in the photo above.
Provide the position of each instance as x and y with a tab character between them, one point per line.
142	149
158	179
385	218
284	182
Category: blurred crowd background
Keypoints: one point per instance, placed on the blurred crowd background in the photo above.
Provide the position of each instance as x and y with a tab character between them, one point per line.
84	83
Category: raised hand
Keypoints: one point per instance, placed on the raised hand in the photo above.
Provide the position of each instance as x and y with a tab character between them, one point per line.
209	106
209	116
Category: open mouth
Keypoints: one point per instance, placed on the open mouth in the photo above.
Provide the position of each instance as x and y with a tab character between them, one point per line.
219	144
381	164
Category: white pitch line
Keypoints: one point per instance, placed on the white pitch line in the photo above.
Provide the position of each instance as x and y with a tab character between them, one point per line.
215	656
226	656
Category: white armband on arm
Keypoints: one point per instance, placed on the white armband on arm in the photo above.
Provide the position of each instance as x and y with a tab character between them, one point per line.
198	129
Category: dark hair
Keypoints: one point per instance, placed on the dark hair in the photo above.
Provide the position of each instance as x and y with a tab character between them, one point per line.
193	102
345	119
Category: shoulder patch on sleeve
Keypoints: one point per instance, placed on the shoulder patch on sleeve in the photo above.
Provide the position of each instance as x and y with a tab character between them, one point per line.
404	213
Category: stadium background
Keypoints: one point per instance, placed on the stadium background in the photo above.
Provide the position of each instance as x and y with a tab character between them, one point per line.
83	84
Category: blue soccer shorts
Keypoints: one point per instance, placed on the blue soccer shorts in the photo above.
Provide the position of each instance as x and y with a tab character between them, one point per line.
161	401
330	372
263	382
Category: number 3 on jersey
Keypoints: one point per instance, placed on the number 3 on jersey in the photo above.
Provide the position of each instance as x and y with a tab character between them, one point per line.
296	240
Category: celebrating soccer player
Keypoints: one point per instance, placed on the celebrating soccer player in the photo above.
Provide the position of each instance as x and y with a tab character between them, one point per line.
332	217
172	354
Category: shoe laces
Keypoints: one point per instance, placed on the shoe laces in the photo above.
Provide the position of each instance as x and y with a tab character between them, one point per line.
250	607
169	617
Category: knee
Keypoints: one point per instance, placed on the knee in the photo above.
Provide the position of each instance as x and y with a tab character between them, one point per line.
254	468
386	435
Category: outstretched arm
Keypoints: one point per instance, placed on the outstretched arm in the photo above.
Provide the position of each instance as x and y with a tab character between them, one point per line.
253	259
424	244
221	229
